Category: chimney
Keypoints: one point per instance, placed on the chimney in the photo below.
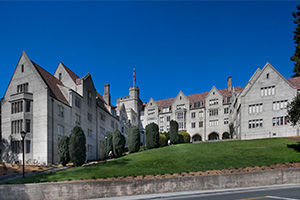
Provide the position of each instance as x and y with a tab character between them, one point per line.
229	83
106	95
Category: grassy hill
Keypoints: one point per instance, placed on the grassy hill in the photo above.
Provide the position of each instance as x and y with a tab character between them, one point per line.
185	158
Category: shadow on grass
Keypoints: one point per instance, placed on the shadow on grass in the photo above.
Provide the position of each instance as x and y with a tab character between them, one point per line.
119	162
296	147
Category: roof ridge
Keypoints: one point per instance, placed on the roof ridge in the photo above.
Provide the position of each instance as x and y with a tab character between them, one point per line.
71	73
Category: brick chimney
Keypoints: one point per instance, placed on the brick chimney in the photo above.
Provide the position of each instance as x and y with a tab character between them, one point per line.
106	94
229	83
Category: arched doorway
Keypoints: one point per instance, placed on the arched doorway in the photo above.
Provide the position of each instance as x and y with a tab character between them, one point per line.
225	136
196	138
213	136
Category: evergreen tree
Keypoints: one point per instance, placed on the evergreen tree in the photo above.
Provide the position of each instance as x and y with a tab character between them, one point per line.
134	139
152	136
174	137
108	143
118	143
63	149
296	57
77	147
293	110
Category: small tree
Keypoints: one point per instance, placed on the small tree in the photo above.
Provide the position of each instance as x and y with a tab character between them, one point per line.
186	138
296	57
152	136
174	138
134	139
293	110
118	143
63	149
231	130
102	155
162	140
108	143
77	149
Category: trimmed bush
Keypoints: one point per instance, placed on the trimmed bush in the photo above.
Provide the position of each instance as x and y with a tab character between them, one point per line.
108	143
167	134
134	139
118	143
186	136
174	138
102	150
63	149
163	140
152	136
77	147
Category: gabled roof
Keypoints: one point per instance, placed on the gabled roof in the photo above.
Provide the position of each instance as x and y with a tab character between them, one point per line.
52	83
295	81
72	74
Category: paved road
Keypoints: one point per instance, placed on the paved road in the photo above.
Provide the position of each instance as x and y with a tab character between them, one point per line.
284	192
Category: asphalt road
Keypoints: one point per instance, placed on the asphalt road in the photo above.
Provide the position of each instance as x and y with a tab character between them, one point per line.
284	192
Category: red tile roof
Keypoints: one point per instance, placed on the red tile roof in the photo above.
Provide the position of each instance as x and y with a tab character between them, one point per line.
72	74
52	83
295	82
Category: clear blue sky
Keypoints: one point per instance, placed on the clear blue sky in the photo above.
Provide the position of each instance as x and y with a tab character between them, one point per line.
188	46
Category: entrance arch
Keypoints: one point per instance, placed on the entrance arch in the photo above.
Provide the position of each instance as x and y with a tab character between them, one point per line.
196	138
225	136
213	136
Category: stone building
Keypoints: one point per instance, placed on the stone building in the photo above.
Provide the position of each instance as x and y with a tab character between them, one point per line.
47	106
257	110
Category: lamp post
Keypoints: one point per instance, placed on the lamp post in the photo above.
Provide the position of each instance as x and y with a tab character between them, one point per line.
23	134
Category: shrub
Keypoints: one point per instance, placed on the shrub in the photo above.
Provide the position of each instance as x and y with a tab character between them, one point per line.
63	149
102	150
118	143
163	140
174	138
167	134
134	139
77	147
186	137
152	136
108	143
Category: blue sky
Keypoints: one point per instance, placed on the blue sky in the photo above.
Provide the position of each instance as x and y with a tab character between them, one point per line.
175	45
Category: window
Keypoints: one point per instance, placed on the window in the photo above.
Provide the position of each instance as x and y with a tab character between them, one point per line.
255	108
226	110
151	111
267	76
168	118
22	88
27	125
89	117
200	124
77	102
228	99
200	114
226	120
180	115
77	119
181	106
165	109
279	121
89	98
27	146
60	111
17	107
213	112
16	126
214	122
181	125
267	91
161	129
255	123
60	129
28	104
102	117
193	115
213	102
59	76
193	125
168	127
16	146
279	105
102	131
22	68
161	119
198	104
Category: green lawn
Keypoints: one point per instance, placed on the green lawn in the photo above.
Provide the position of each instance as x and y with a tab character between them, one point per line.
185	158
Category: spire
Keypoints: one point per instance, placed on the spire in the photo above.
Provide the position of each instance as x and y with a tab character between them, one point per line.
134	79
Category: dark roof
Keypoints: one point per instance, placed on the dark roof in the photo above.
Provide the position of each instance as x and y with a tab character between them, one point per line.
72	74
295	82
52	83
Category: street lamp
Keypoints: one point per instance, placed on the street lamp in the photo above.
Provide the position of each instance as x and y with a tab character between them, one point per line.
23	134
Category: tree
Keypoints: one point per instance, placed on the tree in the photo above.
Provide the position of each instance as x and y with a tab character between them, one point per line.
77	149
186	138
293	111
231	130
167	134
152	136
108	143
118	143
63	149
174	138
296	57
134	139
162	140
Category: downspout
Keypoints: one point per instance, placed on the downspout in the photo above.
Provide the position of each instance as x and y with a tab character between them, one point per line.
96	132
52	134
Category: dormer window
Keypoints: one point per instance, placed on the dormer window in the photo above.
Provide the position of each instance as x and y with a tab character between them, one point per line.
22	68
180	97
267	75
59	76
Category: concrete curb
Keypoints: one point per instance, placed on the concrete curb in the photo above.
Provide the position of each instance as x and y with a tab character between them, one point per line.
99	189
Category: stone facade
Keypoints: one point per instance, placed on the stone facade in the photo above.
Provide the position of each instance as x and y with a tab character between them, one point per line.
206	116
47	106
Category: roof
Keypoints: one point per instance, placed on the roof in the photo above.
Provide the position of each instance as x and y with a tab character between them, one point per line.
295	81
197	97
52	82
72	74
